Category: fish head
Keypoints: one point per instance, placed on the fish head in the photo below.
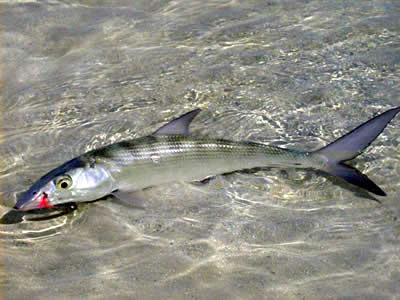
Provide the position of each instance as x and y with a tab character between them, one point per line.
75	181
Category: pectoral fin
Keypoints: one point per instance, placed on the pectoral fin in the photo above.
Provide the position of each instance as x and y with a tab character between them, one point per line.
132	199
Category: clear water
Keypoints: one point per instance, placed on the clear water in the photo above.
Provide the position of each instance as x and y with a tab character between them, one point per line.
77	75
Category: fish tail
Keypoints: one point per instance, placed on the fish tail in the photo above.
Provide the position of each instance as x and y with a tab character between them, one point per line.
347	147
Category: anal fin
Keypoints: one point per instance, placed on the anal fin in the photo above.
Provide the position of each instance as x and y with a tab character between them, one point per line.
203	181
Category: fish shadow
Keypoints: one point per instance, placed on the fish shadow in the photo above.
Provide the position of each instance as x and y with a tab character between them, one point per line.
359	192
15	216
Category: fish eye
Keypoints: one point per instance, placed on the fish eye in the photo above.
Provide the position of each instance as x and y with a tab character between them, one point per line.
63	182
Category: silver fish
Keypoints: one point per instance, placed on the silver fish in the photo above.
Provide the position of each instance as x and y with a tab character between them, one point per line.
171	154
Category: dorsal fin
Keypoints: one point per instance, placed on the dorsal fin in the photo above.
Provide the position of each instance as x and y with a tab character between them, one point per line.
178	126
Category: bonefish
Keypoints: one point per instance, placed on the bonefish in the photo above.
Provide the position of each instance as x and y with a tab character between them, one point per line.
171	154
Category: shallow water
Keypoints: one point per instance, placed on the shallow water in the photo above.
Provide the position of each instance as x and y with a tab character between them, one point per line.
297	74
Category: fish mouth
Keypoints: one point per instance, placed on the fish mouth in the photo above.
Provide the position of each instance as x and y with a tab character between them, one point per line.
39	201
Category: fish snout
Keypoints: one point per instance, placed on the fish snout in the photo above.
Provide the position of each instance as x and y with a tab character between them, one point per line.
37	200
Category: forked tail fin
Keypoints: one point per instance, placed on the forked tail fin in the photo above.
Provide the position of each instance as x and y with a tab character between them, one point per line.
351	145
